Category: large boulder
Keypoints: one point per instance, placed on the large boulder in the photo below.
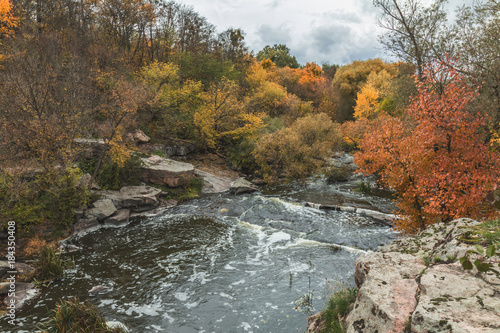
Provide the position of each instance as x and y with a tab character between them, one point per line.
214	183
85	225
121	217
135	198
163	171
101	209
241	185
402	292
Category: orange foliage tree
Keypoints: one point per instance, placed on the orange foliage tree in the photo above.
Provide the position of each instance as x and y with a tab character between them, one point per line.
440	167
7	20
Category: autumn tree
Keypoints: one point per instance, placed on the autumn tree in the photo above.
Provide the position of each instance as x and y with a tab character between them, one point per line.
222	117
298	151
348	81
440	167
7	19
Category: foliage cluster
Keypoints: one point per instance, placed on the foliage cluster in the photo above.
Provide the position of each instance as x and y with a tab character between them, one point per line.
339	306
50	265
298	151
72	315
48	198
439	164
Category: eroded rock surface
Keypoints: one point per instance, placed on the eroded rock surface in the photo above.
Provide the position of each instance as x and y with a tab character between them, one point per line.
402	292
164	171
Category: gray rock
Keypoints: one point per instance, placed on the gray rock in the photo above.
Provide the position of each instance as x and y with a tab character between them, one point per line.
139	136
456	301
214	184
397	290
135	198
121	217
4	267
241	186
162	171
101	209
99	289
83	226
24	292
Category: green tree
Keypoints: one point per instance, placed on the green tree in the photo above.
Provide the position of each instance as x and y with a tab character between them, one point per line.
278	54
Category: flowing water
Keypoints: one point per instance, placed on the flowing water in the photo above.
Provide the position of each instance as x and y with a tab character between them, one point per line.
221	263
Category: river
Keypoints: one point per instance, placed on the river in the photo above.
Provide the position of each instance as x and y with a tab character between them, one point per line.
222	263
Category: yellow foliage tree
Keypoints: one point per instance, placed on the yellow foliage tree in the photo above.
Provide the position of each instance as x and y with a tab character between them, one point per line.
222	117
367	102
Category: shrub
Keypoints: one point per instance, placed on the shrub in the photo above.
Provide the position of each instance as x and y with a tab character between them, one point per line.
71	315
50	265
298	151
337	309
48	199
113	177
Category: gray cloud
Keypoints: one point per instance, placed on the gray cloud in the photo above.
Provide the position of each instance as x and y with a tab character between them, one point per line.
329	38
274	35
341	16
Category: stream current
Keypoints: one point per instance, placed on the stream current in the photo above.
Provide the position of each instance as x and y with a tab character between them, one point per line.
221	263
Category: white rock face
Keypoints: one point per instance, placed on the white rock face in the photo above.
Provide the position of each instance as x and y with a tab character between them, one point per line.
399	293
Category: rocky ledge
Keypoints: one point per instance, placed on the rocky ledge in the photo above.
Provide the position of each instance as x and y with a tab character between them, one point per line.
417	284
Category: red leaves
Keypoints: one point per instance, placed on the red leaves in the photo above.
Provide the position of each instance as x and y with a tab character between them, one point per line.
440	166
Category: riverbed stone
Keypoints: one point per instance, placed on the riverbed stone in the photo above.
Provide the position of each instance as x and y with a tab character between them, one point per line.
24	292
101	209
214	183
85	225
135	198
241	185
162	171
120	217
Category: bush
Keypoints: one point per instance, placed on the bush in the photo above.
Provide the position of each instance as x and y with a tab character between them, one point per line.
48	199
337	309
74	316
50	265
299	151
113	177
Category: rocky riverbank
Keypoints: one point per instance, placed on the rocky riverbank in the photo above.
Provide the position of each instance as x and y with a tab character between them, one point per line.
417	284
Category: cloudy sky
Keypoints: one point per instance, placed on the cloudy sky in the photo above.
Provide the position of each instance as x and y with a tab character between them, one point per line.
332	31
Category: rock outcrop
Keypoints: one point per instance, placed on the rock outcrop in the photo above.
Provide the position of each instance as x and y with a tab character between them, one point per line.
114	207
241	185
162	171
416	284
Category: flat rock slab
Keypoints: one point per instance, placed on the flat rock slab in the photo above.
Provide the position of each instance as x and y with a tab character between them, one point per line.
456	301
162	171
121	217
135	198
101	209
213	183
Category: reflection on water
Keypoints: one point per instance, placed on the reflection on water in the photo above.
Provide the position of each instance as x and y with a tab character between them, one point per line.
219	264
